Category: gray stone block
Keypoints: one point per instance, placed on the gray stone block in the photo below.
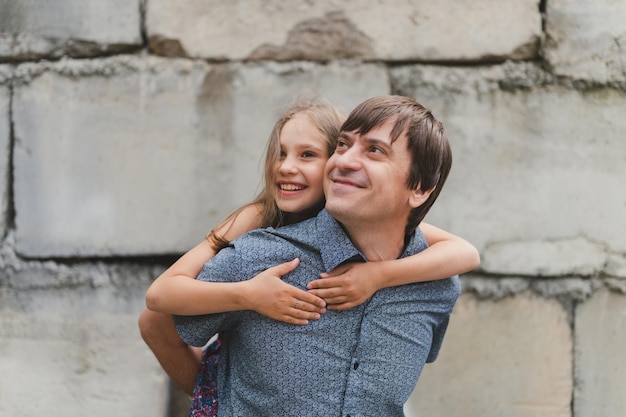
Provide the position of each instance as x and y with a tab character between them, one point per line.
110	158
587	40
68	353
393	30
40	28
550	257
538	167
599	352
506	358
141	156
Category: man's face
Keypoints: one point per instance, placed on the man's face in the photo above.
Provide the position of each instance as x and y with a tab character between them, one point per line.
365	180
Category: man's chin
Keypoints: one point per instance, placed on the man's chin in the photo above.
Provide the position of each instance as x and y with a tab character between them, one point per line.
338	209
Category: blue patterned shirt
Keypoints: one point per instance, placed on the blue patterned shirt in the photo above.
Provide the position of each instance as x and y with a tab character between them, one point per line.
360	362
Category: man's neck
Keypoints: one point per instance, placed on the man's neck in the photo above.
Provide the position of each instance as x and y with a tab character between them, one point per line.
380	243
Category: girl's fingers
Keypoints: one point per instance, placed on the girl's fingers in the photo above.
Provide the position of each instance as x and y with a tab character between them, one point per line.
337	271
300	313
327	294
284	268
305	315
341	306
323	283
302	308
313	301
300	317
333	301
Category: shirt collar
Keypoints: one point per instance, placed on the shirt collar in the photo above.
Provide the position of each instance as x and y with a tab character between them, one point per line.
342	250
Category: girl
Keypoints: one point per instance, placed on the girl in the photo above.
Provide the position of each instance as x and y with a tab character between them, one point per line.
300	144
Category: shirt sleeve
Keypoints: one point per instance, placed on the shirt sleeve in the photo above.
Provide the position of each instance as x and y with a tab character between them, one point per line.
446	303
226	266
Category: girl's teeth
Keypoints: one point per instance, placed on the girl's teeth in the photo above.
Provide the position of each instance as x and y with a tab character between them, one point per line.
290	187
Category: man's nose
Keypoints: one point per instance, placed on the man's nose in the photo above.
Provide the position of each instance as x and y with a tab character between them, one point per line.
349	159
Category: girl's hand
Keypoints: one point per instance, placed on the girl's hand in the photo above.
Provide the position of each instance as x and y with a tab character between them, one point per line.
348	285
267	294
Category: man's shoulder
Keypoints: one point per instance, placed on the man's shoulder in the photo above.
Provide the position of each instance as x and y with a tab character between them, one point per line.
415	243
446	290
277	244
253	252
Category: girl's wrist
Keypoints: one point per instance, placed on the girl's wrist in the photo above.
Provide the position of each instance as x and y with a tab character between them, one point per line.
381	274
241	295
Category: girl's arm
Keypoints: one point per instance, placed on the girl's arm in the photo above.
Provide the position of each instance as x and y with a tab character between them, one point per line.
352	284
176	291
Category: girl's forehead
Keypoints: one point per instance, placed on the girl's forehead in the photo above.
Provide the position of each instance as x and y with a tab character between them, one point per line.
301	131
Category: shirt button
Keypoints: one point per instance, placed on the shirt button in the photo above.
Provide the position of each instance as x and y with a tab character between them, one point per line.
355	366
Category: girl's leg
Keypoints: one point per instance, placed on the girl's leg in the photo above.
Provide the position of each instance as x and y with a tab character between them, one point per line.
179	360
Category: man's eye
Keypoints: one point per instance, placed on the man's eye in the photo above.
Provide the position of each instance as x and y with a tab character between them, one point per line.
376	149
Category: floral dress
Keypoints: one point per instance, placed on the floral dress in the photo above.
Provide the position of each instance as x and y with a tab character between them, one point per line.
204	399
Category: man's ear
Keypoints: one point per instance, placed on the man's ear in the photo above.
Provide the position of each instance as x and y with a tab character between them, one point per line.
419	197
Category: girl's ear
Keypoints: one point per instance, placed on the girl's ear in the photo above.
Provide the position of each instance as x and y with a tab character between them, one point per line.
418	197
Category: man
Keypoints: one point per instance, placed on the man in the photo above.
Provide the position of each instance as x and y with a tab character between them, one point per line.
392	159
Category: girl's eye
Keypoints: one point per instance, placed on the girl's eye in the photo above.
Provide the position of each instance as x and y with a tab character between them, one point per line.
308	154
282	155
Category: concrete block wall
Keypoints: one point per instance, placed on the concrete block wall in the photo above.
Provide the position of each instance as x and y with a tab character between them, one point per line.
129	128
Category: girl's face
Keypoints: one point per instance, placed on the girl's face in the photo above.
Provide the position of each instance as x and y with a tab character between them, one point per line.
299	171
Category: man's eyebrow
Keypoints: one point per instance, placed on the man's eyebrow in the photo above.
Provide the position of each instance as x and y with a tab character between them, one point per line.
367	139
375	141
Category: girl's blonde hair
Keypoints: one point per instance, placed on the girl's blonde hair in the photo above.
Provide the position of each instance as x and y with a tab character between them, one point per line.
327	118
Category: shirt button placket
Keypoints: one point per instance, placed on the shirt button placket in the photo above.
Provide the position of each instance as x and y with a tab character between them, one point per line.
355	366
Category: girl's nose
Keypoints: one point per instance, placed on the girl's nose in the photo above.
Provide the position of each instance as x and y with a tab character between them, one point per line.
288	166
